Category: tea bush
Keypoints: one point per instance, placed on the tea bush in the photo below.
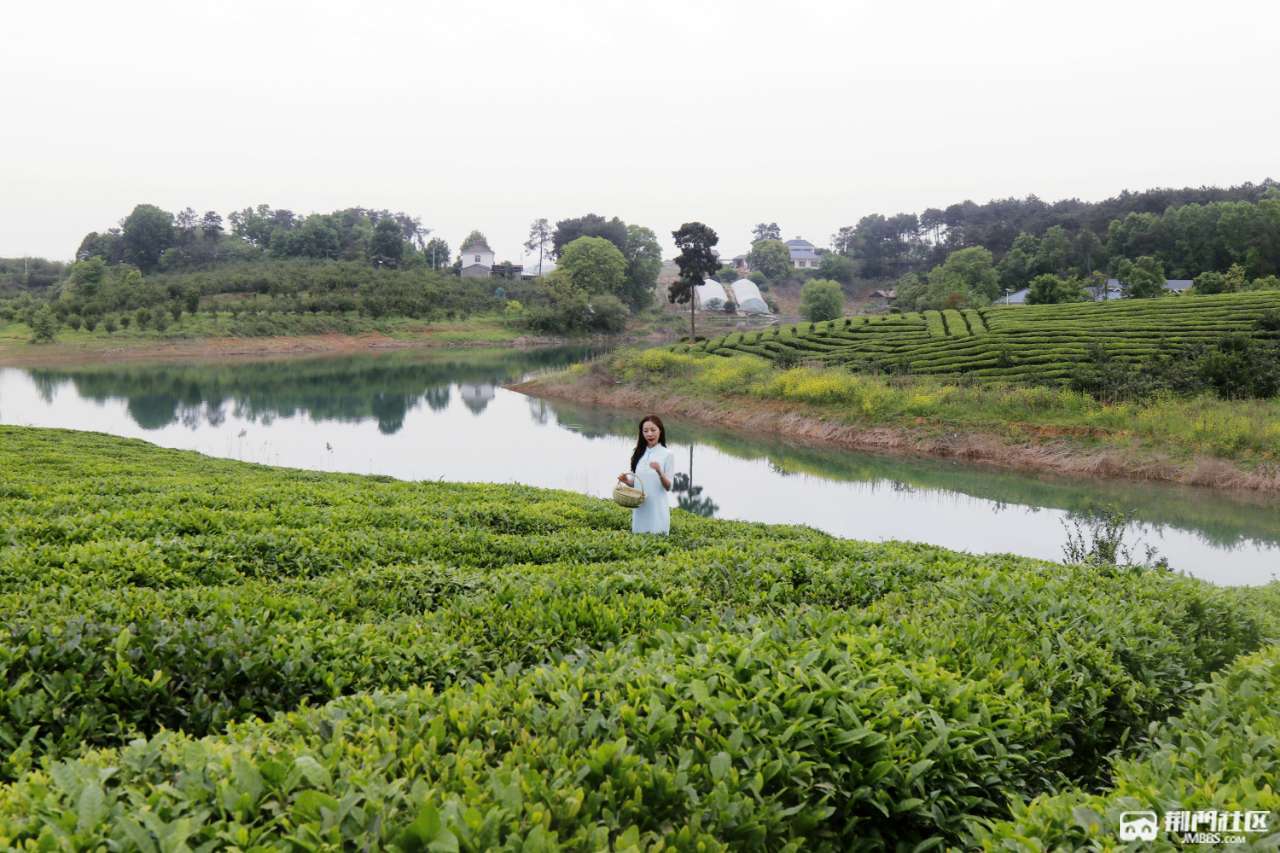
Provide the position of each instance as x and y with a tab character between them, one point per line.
210	653
1229	337
1220	755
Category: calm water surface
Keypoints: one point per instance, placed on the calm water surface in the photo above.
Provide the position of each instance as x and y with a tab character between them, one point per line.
431	416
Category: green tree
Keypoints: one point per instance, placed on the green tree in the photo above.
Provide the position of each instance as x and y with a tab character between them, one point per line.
316	237
594	265
967	276
771	257
766	231
1021	263
44	325
1049	289
821	299
1055	251
146	233
697	262
109	246
837	268
386	248
437	253
87	276
592	225
644	262
211	226
540	233
475	240
1143	278
1208	283
1088	250
255	225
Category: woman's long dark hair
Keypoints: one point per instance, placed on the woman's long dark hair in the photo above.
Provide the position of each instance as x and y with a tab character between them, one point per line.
641	446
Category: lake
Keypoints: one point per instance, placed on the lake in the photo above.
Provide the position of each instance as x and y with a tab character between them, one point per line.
434	416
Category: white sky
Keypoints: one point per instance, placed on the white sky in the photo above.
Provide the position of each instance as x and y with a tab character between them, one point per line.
488	115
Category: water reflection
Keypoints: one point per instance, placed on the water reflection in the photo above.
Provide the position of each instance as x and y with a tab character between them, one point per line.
384	388
690	497
447	416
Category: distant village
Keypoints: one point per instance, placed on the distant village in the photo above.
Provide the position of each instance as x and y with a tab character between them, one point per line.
478	260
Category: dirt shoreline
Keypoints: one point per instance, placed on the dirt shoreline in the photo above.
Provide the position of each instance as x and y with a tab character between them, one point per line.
1054	456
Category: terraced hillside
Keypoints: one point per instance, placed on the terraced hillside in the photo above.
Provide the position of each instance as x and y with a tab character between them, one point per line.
204	654
1038	343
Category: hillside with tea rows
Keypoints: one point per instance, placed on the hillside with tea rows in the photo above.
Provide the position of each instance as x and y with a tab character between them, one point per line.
207	654
1035	343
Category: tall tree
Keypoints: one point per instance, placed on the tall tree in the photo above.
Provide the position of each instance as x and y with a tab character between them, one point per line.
146	232
437	253
697	262
211	226
766	231
186	225
386	247
540	233
594	265
592	225
644	262
1143	278
771	257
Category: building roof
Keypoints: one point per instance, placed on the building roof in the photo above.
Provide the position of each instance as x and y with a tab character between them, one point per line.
801	249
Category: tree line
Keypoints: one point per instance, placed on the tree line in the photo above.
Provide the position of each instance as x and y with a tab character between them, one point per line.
153	239
886	247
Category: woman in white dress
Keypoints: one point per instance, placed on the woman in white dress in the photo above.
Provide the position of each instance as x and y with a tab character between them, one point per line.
651	465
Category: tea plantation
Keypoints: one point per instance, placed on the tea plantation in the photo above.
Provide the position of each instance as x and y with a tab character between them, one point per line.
204	654
1035	343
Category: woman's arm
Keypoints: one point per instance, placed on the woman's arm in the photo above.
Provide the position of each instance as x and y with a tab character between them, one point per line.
663	470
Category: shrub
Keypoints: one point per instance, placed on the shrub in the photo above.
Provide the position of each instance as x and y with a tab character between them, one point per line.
821	299
44	325
1219	755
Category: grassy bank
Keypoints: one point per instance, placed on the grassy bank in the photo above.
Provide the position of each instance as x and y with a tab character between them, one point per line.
510	666
1201	440
205	336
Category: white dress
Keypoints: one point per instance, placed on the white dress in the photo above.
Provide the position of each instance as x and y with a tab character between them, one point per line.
654	515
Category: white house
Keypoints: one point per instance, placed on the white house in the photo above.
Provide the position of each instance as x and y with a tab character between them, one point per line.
477	259
803	254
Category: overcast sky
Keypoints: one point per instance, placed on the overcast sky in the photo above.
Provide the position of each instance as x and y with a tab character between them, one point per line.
488	115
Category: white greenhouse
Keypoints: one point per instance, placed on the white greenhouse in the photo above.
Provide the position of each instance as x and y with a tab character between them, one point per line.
709	293
748	297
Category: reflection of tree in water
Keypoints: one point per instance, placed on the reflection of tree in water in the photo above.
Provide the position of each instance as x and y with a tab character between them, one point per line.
390	410
689	497
381	387
539	411
438	397
153	411
46	385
